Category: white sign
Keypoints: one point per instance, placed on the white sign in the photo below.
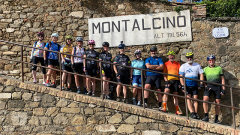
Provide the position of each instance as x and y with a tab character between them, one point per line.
141	29
220	32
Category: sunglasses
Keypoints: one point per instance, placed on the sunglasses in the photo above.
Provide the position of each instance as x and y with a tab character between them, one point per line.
152	51
40	36
189	57
121	47
91	44
138	53
69	39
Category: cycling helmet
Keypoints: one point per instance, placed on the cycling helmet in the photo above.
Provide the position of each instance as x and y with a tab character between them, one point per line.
79	39
121	45
189	54
92	42
68	37
55	35
105	43
40	34
153	49
171	53
211	57
138	51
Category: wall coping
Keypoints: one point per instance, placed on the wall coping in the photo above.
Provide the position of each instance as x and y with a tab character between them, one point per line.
128	108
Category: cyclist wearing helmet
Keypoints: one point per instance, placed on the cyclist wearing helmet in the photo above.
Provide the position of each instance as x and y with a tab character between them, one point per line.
191	70
106	68
213	74
77	63
91	67
122	73
66	62
135	76
51	59
37	56
171	82
156	64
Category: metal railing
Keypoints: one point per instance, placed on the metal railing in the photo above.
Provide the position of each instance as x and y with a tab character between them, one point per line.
142	88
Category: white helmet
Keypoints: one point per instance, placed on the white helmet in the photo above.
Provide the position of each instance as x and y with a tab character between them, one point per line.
55	35
138	51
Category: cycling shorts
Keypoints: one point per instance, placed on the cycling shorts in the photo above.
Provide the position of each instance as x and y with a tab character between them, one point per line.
67	68
123	79
216	90
193	90
174	85
154	79
106	73
91	71
53	62
136	80
35	61
78	68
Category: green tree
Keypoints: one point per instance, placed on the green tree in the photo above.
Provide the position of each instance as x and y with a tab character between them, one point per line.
222	8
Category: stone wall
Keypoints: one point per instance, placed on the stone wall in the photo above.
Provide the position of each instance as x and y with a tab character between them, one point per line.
26	108
20	20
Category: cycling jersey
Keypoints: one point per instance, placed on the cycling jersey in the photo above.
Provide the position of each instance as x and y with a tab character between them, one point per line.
171	68
37	52
153	61
91	54
123	60
103	56
191	71
137	64
78	52
52	47
66	49
213	74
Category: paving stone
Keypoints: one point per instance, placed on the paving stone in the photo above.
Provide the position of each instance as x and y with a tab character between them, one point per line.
117	118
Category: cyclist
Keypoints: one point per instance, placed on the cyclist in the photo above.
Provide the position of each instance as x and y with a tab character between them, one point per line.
66	62
122	73
91	67
214	74
191	70
51	59
37	56
135	76
106	68
171	82
156	64
77	63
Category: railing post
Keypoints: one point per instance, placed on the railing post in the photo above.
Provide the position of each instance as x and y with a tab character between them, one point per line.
60	68
185	94
233	116
100	71
142	89
22	64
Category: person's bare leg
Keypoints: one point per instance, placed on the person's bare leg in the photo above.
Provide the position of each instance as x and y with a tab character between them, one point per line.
205	105
125	91
107	86
159	96
195	103
104	84
93	85
64	76
77	80
119	90
139	93
146	93
217	107
69	79
189	103
34	75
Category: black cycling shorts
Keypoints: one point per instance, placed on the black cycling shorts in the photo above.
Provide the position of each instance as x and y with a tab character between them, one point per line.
53	62
106	73
216	90
78	68
35	61
123	79
91	71
193	90
68	68
174	85
154	79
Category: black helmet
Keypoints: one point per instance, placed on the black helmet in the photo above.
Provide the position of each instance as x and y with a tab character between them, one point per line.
105	43
153	49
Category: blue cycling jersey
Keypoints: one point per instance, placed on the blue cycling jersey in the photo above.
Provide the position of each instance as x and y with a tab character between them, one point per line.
137	64
53	47
153	61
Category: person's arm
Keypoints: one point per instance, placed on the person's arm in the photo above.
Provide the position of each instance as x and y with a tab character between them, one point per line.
72	58
153	67
160	67
223	82
84	63
32	51
201	78
45	53
63	57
